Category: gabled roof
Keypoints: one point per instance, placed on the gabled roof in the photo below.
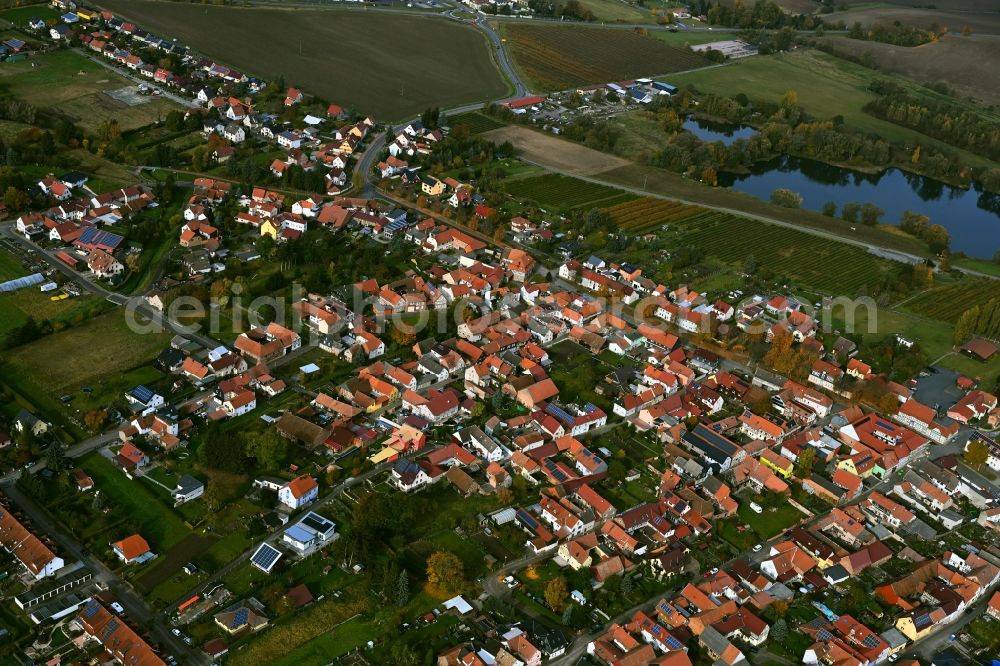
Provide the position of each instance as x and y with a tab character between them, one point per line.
132	547
301	486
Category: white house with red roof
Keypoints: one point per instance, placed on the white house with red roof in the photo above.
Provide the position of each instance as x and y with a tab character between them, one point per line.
298	492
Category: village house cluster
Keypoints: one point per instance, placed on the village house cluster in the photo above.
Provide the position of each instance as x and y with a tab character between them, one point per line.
77	225
637	446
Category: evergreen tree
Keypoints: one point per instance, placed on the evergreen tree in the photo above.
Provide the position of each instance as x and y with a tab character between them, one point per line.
55	458
402	589
779	631
966	324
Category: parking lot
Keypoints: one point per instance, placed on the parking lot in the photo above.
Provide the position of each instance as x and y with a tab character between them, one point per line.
936	387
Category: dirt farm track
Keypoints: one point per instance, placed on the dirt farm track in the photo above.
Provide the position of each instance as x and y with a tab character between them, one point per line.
392	66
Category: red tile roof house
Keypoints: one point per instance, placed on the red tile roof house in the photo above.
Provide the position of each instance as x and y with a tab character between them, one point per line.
974	405
298	492
131	549
29	550
993	607
120	641
531	396
131	459
849	482
923	419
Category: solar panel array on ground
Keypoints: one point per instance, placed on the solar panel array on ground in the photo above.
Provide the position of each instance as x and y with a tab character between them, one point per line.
265	558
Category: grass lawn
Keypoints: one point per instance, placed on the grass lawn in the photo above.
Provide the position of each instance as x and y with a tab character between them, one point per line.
167	569
826	85
76	86
156	521
981	265
640	134
17	306
96	354
575	371
740	541
340	640
772	521
21	15
10	266
984	630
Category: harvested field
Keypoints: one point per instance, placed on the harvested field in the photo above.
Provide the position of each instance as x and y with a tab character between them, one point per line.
969	65
565	192
555	153
978	21
390	65
82	89
561	57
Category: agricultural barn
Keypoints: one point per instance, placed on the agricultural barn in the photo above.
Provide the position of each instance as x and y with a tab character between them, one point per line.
93	238
979	349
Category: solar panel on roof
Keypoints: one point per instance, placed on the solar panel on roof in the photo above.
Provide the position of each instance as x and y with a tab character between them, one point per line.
823	635
316	522
555	471
526	519
142	394
559	413
240	617
871	641
673	643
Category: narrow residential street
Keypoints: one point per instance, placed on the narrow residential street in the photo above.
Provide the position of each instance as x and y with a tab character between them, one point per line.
139	613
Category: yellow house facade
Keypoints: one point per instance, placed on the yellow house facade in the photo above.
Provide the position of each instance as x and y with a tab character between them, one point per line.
269	228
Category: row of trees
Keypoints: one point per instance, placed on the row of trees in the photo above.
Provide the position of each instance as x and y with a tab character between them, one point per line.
979	320
895	33
853	212
955	125
755	16
572	9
